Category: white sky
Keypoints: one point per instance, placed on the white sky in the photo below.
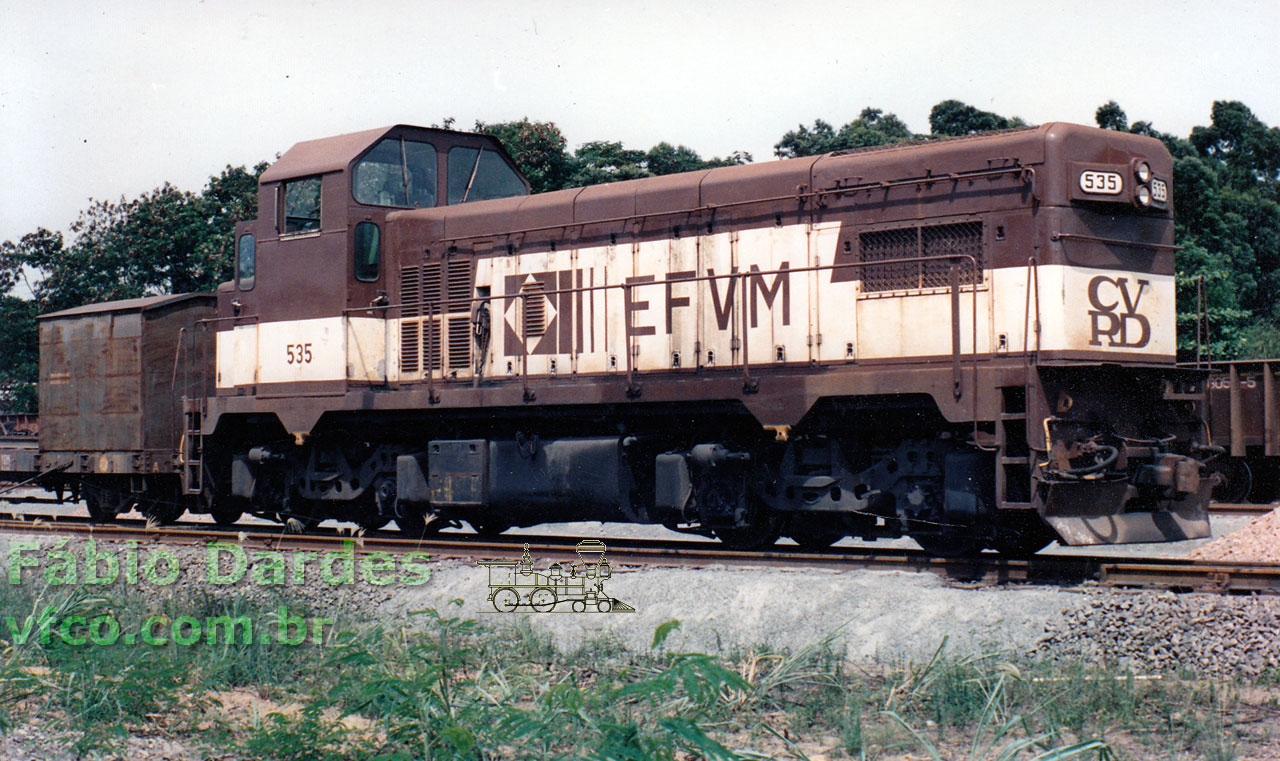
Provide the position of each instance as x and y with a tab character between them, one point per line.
108	99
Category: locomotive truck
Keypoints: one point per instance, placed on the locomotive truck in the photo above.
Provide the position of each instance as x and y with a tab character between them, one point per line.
967	341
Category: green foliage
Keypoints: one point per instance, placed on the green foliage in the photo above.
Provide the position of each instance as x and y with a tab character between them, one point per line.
952	118
872	127
1110	116
538	149
19	345
305	737
1226	192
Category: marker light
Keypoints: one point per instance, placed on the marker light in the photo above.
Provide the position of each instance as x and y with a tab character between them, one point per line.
1142	170
1143	195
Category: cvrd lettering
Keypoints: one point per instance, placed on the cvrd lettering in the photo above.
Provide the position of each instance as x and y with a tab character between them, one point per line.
1107	295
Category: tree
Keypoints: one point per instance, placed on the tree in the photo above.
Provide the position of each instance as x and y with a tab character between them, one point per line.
872	127
1110	116
953	119
602	161
538	149
165	241
1227	215
20	347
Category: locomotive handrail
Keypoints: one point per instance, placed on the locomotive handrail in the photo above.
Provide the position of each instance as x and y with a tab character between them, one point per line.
1033	274
799	195
1055	237
209	320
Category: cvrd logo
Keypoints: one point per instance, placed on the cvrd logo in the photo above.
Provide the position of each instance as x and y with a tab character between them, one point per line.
1115	313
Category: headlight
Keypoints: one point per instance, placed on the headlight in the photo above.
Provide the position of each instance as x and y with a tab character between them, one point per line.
1143	195
1142	170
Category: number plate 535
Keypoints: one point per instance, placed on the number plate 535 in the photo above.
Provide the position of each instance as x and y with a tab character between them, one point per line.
1106	183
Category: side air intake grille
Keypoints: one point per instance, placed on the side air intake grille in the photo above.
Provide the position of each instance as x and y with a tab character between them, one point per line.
429	295
884	248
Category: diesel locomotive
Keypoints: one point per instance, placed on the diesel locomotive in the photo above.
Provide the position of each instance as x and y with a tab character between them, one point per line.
968	341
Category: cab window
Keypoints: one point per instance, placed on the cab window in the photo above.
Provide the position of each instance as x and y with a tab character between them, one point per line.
368	255
398	173
245	262
302	206
479	175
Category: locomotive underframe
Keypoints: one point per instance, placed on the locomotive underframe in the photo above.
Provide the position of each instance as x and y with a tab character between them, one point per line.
896	453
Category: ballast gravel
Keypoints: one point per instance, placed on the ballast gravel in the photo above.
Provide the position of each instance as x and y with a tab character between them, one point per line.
1257	542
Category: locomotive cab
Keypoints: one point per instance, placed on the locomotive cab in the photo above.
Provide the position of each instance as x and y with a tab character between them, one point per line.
310	286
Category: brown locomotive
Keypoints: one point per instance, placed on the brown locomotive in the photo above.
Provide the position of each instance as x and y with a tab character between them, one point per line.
967	341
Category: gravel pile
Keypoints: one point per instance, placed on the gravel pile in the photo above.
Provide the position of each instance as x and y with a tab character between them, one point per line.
1257	542
1209	635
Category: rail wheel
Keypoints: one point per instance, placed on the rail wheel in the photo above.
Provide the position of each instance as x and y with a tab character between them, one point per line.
227	517
809	536
1235	479
948	545
543	600
506	600
161	511
373	522
758	528
98	506
488	526
605	605
579	606
1022	537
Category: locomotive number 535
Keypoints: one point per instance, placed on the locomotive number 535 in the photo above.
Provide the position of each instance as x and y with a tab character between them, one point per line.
298	354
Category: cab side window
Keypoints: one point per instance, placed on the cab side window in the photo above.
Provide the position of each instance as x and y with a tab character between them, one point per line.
367	250
246	255
396	173
302	206
479	175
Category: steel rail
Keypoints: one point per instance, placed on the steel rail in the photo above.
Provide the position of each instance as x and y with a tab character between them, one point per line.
1248	509
1175	574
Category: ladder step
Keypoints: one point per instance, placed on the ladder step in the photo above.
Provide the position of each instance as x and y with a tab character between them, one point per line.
1015	460
1013	416
1017	506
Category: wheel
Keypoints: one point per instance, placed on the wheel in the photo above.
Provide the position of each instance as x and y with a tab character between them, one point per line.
543	600
605	605
373	522
760	528
161	511
579	606
1235	479
506	600
811	537
948	545
226	517
1022	538
99	512
298	515
488	526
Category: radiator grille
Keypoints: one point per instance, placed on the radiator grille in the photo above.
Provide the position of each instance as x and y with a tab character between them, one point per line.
881	249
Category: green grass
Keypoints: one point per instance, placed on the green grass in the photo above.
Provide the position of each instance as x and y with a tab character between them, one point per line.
441	686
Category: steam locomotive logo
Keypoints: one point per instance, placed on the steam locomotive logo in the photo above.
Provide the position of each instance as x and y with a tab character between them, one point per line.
1115	313
515	584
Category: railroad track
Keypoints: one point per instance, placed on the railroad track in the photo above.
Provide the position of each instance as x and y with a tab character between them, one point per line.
1246	509
1174	574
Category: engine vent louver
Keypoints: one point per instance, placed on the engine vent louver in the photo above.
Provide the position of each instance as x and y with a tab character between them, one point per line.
429	296
883	249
